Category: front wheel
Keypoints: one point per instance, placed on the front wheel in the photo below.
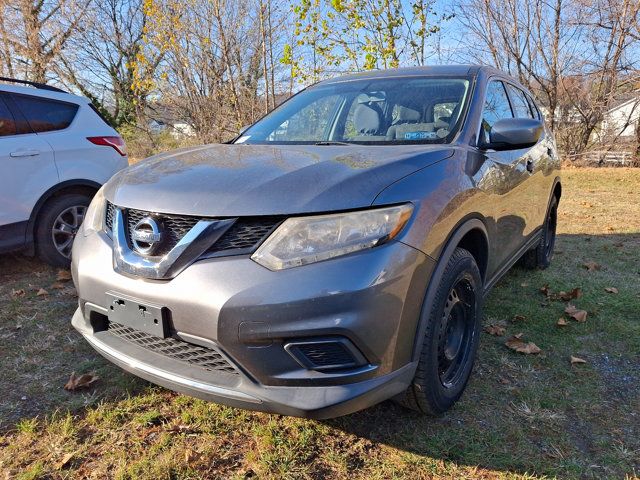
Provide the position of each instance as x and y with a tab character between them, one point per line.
58	223
451	338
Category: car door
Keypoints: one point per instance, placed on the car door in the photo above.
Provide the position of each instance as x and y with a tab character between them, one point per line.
506	181
537	158
27	166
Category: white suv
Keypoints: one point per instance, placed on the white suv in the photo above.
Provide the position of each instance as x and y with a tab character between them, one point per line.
56	150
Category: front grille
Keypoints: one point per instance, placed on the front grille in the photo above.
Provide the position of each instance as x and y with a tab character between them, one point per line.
206	358
174	227
244	236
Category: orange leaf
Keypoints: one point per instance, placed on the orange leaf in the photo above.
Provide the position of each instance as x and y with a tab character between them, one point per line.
611	290
566	296
516	343
63	276
57	285
77	382
575	360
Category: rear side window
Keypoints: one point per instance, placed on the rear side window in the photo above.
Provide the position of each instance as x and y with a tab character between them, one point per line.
7	122
46	115
496	107
519	102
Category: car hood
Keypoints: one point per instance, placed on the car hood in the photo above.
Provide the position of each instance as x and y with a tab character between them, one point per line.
239	180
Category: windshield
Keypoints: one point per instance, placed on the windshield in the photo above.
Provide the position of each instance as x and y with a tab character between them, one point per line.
372	111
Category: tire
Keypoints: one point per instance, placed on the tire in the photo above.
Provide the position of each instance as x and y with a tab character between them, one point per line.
453	326
540	257
58	213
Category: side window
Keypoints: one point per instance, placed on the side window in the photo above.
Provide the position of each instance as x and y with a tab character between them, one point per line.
7	122
308	124
496	107
534	108
519	101
46	115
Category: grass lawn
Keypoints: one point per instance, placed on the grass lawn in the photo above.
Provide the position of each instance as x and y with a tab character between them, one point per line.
522	416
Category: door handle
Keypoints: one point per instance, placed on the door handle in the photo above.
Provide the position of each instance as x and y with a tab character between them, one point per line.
25	152
530	166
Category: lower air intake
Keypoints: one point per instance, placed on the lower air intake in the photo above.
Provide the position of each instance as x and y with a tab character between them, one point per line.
326	354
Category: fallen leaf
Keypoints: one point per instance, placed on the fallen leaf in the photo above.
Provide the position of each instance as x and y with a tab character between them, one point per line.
575	313
566	296
42	292
519	318
78	382
562	322
611	290
575	360
65	460
63	276
57	286
495	330
591	266
18	293
545	290
516	343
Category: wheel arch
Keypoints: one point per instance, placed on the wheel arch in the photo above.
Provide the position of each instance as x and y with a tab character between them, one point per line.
471	234
81	186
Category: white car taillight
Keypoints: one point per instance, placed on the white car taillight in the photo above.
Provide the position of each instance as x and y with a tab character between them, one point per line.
115	142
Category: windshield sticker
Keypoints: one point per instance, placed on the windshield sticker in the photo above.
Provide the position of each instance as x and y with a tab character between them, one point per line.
420	135
243	139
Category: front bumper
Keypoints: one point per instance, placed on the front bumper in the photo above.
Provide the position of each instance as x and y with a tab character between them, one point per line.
248	313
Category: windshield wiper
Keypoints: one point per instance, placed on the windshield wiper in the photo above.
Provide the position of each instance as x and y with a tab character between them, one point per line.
332	143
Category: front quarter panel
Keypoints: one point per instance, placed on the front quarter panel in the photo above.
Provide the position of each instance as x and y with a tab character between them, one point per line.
444	195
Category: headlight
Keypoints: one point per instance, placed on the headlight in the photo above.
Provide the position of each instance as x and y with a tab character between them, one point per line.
94	218
302	240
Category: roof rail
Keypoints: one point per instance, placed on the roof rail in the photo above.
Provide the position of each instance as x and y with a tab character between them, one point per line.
40	86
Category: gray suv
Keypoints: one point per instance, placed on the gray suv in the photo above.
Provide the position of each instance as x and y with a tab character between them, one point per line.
334	255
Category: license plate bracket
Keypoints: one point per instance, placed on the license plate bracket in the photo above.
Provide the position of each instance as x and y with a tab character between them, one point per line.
143	316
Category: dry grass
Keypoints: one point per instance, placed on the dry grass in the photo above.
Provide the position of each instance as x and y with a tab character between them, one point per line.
521	417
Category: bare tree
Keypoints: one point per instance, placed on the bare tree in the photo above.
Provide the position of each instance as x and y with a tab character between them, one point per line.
100	62
36	32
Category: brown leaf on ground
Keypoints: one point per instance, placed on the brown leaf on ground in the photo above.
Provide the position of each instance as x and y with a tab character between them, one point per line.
575	360
65	460
519	318
18	293
77	382
562	322
495	330
591	266
566	296
545	290
575	313
57	286
63	276
516	343
611	290
42	292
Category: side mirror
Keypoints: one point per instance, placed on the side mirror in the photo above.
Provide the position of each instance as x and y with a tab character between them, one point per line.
512	133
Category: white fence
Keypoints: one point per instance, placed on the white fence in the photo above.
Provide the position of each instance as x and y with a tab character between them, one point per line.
604	158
